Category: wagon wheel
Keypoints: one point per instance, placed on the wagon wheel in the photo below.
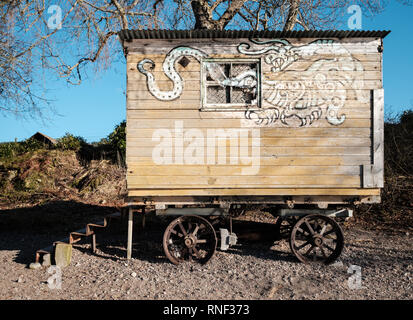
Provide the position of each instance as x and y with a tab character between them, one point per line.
316	238
283	227
189	238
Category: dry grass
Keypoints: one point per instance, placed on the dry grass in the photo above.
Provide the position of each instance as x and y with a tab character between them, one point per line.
47	175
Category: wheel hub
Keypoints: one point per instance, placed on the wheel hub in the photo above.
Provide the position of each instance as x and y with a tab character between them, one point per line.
190	241
318	241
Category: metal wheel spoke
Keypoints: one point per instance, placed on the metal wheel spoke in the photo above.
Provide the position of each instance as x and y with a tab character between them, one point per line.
303	245
330	238
309	227
323	230
309	250
198	255
329	232
303	231
182	228
195	230
180	235
328	247
201	241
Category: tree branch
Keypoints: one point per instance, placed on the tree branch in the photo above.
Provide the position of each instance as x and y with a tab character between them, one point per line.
234	7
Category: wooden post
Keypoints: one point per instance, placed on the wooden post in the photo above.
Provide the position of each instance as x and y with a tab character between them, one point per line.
94	243
130	230
143	218
63	254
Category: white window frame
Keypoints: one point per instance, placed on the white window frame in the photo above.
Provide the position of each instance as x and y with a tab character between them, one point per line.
229	106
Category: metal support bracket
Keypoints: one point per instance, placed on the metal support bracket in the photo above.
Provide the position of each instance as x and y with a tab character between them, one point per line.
227	239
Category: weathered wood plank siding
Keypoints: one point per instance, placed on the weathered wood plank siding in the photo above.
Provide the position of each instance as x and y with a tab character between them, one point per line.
318	158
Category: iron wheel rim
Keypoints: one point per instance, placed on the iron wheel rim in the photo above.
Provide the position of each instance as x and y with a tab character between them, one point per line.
316	238
189	238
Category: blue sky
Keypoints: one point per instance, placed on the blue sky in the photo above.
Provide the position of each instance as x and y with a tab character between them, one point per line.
94	108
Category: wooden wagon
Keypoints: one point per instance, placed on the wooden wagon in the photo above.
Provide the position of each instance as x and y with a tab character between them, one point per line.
220	120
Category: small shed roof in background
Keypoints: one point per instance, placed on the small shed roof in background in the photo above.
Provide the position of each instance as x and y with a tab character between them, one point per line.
128	35
43	138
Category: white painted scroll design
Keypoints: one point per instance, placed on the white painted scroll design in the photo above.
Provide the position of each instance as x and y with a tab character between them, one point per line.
169	69
300	102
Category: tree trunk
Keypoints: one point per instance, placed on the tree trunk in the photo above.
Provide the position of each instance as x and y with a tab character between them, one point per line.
202	14
292	15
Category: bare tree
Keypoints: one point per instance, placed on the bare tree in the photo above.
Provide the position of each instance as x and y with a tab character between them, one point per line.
65	36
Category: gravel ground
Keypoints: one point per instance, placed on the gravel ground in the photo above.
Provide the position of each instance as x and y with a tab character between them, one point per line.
250	270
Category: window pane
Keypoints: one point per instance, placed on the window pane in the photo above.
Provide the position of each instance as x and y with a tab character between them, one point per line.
216	71
238	68
216	95
245	96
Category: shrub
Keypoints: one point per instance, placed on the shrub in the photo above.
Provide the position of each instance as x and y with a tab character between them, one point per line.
70	142
31	145
8	149
117	139
12	149
117	143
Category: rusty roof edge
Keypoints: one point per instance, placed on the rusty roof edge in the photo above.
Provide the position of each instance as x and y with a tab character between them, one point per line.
127	34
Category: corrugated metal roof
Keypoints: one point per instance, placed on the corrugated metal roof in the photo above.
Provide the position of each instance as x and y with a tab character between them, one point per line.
233	34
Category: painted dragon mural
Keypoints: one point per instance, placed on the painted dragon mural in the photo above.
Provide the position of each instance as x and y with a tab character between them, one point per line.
306	99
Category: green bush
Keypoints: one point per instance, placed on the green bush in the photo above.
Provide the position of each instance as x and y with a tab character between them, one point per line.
70	142
8	149
12	149
31	145
117	143
117	139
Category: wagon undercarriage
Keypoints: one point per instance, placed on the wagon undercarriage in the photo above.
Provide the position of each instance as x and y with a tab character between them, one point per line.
196	231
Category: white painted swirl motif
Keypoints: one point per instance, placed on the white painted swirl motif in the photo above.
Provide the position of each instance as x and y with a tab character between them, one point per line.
321	89
169	68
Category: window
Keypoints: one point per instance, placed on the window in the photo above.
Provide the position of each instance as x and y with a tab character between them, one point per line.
230	84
